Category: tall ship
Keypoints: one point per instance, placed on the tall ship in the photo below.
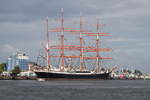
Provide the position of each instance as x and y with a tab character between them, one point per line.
74	52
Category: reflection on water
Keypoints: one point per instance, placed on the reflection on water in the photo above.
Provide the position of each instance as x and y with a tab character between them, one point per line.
75	90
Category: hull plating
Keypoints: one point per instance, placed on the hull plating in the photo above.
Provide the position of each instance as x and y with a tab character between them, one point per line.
49	75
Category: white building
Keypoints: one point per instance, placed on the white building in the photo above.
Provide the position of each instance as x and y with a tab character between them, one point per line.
19	59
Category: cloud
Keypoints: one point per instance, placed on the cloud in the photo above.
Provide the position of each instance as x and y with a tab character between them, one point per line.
6	48
121	39
22	24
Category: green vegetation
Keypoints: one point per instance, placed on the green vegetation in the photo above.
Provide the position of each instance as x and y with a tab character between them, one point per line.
2	67
15	71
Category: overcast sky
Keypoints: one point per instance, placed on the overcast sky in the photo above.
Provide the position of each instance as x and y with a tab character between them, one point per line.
22	26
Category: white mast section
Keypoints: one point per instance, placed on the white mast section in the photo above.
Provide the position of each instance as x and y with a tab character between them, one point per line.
47	46
81	44
62	41
97	46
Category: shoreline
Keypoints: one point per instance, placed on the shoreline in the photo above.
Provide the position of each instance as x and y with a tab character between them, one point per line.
17	78
35	78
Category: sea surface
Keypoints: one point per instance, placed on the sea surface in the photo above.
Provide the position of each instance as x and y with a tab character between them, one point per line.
75	90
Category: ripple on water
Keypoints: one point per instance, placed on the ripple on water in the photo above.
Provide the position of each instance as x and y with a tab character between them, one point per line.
75	90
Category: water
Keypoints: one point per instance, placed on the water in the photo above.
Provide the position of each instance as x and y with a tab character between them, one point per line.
75	90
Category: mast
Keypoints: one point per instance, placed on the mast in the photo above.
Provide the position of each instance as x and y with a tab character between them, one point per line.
62	41
97	47
47	46
81	48
81	44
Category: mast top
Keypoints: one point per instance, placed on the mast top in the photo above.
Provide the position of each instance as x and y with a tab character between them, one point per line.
80	14
46	17
62	10
97	26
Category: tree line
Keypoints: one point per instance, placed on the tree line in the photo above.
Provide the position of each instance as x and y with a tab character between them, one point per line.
16	70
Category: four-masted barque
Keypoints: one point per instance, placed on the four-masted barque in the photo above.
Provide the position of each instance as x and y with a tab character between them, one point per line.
80	52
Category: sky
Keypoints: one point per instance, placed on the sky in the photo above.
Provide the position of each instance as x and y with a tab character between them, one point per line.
22	26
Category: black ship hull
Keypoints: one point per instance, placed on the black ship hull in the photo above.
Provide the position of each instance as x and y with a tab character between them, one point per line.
53	75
